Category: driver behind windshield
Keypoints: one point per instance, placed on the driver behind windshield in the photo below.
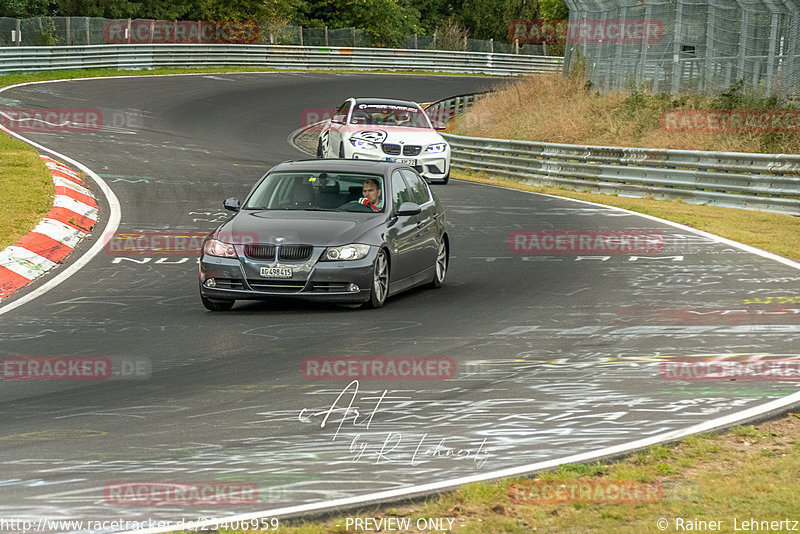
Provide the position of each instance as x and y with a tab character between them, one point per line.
372	194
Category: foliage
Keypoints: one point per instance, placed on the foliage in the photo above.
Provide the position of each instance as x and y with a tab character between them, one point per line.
385	22
553	9
23	9
451	35
47	37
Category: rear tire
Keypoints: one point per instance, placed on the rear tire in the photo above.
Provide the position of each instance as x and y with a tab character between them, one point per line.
441	265
380	280
217	305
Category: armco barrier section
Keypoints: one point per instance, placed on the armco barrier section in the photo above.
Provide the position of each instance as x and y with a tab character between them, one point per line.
763	182
36	58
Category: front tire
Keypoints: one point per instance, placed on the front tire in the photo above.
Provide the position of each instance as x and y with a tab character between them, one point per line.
380	280
217	305
341	151
441	265
319	149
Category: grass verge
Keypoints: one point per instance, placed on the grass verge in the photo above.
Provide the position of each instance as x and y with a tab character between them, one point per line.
558	109
748	473
26	188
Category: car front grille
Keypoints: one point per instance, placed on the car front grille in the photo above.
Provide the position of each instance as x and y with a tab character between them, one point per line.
277	286
260	252
390	149
411	150
295	252
284	252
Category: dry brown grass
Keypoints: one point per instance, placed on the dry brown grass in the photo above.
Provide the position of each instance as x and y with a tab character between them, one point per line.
557	109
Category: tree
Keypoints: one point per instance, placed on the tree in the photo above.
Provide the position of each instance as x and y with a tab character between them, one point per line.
553	9
386	22
23	9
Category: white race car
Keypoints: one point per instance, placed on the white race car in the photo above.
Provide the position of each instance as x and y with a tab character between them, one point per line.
386	130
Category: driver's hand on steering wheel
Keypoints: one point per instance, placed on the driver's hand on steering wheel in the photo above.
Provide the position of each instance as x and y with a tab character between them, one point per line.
367	202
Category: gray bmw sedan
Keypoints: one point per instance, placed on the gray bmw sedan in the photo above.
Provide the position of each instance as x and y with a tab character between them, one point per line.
344	231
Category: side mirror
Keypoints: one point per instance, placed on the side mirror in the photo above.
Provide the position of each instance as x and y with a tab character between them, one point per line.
409	208
231	204
439	126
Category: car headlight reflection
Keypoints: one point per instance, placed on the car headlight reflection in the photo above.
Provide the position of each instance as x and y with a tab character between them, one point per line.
363	145
346	252
437	148
215	247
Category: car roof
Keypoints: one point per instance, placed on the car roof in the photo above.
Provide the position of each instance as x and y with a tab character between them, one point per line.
386	101
338	165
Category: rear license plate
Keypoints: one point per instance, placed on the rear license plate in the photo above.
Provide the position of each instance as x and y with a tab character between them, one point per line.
406	161
276	272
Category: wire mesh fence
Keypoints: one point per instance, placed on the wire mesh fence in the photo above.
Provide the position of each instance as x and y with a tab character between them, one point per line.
687	45
56	31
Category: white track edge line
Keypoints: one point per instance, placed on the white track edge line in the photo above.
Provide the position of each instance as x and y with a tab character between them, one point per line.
114	217
720	422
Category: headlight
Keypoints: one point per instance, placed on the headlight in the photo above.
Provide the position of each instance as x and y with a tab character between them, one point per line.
363	145
437	148
346	252
215	247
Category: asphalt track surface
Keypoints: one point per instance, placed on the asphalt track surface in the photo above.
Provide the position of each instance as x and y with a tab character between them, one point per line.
556	354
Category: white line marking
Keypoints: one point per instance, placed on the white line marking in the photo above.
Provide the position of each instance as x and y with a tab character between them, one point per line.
114	216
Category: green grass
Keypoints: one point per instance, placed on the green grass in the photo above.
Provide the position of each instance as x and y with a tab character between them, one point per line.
26	188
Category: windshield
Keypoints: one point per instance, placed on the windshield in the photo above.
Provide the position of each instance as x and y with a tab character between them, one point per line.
389	115
319	191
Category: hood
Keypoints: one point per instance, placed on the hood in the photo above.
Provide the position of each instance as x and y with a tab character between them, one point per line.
320	228
397	135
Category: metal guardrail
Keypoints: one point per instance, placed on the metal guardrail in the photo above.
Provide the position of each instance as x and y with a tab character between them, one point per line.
30	58
763	182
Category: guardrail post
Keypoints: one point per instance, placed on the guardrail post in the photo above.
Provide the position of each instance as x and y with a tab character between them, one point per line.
88	33
18	36
69	22
491	45
416	44
128	32
326	36
301	36
516	46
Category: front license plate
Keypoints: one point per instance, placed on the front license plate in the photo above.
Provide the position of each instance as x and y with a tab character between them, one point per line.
276	272
411	162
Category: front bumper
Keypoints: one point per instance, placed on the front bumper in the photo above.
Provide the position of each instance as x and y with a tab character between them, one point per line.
430	166
330	281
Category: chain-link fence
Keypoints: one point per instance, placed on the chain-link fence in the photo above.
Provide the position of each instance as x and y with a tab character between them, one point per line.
687	45
53	31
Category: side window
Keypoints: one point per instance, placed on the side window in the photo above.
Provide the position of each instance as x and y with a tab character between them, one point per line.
417	187
400	191
340	115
